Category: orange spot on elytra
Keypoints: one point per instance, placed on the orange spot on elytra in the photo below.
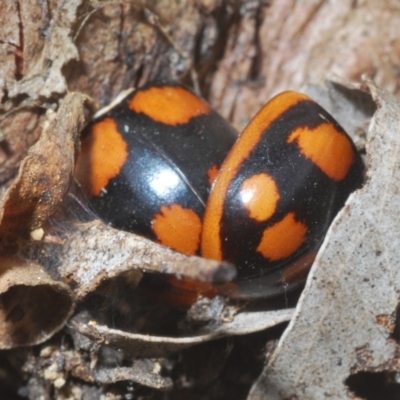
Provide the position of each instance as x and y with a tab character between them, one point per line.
178	228
211	246
103	153
259	194
298	270
171	105
327	148
212	174
282	239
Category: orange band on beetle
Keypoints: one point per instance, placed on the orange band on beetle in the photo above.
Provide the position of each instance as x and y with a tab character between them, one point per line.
169	105
211	241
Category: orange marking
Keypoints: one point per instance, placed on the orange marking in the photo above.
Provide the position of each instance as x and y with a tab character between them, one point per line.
103	153
178	228
212	174
282	239
168	104
327	148
260	196
211	242
298	271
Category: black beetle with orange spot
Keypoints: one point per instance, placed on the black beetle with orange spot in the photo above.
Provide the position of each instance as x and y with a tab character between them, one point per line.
277	192
147	167
148	164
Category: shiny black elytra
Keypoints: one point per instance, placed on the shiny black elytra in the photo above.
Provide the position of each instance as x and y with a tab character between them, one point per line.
148	164
281	185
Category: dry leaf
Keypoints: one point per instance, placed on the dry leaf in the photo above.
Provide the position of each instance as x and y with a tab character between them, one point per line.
32	305
142	372
19	130
157	346
35	46
47	46
95	252
45	173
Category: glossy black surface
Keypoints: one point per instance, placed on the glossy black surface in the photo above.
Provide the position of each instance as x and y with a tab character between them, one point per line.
166	165
303	188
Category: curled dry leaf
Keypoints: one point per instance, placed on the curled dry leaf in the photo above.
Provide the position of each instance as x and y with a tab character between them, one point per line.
45	174
139	345
32	306
95	252
345	319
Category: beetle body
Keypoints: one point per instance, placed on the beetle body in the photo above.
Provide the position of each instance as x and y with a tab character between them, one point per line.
278	190
147	167
148	164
